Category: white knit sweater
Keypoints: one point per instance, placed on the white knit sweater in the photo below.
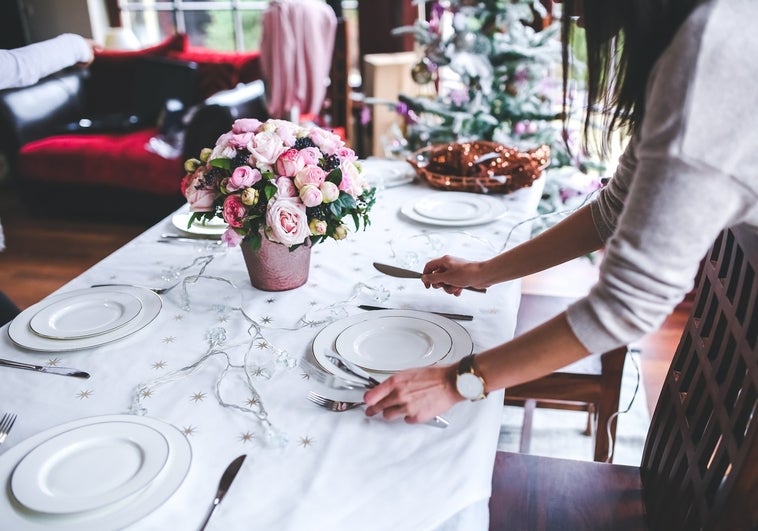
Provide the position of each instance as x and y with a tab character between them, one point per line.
690	172
27	65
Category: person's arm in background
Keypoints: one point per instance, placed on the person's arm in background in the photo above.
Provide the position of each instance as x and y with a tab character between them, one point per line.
26	65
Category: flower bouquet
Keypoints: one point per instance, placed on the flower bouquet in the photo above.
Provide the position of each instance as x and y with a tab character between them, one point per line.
290	184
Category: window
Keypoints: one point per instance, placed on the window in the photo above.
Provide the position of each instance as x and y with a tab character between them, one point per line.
225	25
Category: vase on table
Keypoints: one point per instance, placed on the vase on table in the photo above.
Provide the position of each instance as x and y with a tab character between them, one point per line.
274	267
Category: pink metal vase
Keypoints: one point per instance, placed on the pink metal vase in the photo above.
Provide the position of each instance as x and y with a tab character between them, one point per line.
274	267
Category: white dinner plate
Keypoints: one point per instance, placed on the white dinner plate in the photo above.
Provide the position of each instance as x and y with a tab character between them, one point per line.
454	209
386	173
89	467
394	343
212	227
85	315
23	336
324	344
117	515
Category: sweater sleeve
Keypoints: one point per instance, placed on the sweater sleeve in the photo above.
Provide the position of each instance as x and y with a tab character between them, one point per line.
27	65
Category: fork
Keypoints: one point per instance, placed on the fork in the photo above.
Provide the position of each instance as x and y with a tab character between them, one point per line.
342	405
6	423
159	291
330	404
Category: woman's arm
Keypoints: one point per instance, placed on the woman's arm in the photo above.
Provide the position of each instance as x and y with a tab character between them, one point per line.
573	237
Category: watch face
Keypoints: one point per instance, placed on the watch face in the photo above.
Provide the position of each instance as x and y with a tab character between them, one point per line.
469	386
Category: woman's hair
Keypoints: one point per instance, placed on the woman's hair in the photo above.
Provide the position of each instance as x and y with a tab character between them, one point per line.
624	40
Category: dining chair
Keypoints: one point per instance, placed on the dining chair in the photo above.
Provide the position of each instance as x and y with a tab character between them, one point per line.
699	468
592	384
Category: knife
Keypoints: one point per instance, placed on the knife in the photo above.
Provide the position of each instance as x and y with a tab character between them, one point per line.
63	371
223	486
408	273
456	316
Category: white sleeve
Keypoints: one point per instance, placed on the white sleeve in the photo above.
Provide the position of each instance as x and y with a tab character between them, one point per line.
27	65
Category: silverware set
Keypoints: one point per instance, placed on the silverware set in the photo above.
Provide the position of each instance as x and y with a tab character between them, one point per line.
63	371
6	423
223	486
363	380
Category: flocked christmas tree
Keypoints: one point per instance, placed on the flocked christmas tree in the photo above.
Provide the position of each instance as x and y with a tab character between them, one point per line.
495	65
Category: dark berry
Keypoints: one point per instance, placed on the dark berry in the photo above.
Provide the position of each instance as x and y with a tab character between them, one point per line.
330	162
304	142
240	159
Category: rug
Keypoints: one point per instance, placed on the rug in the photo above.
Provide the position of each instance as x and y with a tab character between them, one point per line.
560	433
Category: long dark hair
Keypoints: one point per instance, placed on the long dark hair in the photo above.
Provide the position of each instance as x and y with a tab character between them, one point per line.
624	40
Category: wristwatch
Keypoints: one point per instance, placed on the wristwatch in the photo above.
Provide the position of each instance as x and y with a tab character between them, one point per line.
468	382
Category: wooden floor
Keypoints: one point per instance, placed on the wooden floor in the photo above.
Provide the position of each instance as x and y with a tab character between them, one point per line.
43	253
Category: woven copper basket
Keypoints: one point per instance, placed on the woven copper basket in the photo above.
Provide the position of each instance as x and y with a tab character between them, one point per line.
479	166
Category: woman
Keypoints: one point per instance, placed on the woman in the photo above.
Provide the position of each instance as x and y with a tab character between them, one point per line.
680	76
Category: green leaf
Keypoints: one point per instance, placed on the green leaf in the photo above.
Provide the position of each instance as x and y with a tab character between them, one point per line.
224	164
335	176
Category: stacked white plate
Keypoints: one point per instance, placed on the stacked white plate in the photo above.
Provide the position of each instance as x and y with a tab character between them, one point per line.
386	341
210	228
84	318
387	173
454	209
97	474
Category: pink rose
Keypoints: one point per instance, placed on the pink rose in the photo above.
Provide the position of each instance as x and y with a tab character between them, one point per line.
266	148
243	177
310	195
286	187
287	221
346	154
310	175
240	140
199	197
246	125
287	131
310	155
327	141
330	191
231	237
234	211
289	163
352	183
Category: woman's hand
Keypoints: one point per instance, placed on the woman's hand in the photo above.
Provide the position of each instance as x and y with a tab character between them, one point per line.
417	395
452	274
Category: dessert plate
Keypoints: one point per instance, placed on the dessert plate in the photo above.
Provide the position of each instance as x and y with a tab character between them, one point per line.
22	335
111	517
85	315
89	467
324	344
454	209
213	227
387	173
394	343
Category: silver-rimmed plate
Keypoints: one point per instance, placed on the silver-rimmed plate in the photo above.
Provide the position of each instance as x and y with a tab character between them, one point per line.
86	315
117	515
89	467
454	209
212	227
324	344
23	336
394	343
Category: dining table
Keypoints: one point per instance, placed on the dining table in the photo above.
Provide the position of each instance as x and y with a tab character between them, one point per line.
190	367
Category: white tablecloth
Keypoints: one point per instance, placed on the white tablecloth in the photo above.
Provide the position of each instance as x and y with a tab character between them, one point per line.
336	471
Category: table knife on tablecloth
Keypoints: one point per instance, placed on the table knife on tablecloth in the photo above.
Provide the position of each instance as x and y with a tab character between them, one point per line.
63	371
456	316
400	272
223	486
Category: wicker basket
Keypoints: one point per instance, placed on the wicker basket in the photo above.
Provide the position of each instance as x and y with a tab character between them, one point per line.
479	166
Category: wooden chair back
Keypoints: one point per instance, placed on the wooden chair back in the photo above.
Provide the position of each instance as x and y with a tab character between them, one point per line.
700	464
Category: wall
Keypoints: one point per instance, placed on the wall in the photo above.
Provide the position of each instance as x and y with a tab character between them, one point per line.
47	18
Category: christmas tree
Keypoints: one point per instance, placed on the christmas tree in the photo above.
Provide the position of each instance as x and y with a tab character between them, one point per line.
495	66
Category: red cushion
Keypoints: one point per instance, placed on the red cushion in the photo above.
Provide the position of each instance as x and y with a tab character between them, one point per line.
221	70
112	74
116	160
